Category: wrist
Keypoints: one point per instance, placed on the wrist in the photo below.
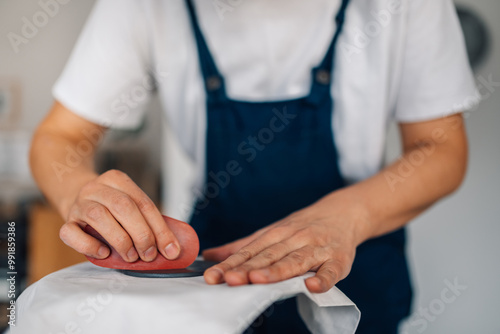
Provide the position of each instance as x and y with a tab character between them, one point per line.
350	205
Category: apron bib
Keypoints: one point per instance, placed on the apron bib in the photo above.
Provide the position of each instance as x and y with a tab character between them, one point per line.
265	160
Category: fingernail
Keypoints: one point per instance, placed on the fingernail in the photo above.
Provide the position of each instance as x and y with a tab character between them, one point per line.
172	251
150	254
103	252
132	254
214	275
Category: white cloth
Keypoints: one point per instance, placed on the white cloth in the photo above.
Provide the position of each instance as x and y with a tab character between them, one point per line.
88	299
397	59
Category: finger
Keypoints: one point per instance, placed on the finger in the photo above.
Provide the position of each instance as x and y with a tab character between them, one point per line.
293	264
239	274
126	212
267	257
215	274
96	215
73	236
326	277
165	239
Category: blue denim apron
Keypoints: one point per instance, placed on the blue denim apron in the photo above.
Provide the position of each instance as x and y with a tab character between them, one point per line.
265	160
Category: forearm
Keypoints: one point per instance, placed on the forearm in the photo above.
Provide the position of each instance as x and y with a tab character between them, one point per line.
62	158
59	170
427	171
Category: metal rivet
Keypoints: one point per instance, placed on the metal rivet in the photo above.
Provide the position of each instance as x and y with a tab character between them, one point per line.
213	83
323	77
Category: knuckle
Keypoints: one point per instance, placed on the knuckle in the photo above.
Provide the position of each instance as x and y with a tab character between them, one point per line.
146	205
245	254
304	233
297	257
122	241
122	203
269	255
331	273
163	235
95	212
114	174
144	239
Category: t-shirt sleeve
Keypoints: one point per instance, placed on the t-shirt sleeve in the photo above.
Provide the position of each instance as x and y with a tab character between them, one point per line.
108	77
436	78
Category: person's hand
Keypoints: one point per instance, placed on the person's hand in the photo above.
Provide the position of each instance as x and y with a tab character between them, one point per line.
322	238
125	217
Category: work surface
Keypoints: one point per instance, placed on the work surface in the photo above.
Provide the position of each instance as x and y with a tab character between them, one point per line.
89	299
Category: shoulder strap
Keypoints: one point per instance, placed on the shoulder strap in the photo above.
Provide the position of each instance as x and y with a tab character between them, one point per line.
214	82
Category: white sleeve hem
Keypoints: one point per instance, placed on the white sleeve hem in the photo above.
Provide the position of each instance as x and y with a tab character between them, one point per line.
64	96
441	110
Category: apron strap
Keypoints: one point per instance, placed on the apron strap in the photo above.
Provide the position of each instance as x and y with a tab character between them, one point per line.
213	80
322	75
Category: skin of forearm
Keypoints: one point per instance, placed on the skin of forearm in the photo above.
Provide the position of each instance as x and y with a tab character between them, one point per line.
427	171
392	207
61	158
58	173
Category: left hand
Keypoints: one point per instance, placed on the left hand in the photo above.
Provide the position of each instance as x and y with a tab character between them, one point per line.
322	238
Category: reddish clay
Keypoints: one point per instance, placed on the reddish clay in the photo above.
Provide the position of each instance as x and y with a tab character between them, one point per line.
186	235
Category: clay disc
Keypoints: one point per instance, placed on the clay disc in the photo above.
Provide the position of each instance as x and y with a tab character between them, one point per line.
196	269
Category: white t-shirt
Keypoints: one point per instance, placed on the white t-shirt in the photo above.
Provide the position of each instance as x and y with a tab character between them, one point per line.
400	60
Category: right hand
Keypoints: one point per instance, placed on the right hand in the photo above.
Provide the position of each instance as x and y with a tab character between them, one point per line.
125	217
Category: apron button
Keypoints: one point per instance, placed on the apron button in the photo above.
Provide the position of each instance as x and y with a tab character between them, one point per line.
323	77
213	83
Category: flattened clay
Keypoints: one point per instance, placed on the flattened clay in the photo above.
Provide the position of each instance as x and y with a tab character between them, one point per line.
186	235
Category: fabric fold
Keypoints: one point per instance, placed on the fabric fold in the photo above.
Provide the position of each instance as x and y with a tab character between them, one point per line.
88	299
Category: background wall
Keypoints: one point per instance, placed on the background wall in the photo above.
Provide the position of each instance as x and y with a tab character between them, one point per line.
39	62
456	242
31	69
459	238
